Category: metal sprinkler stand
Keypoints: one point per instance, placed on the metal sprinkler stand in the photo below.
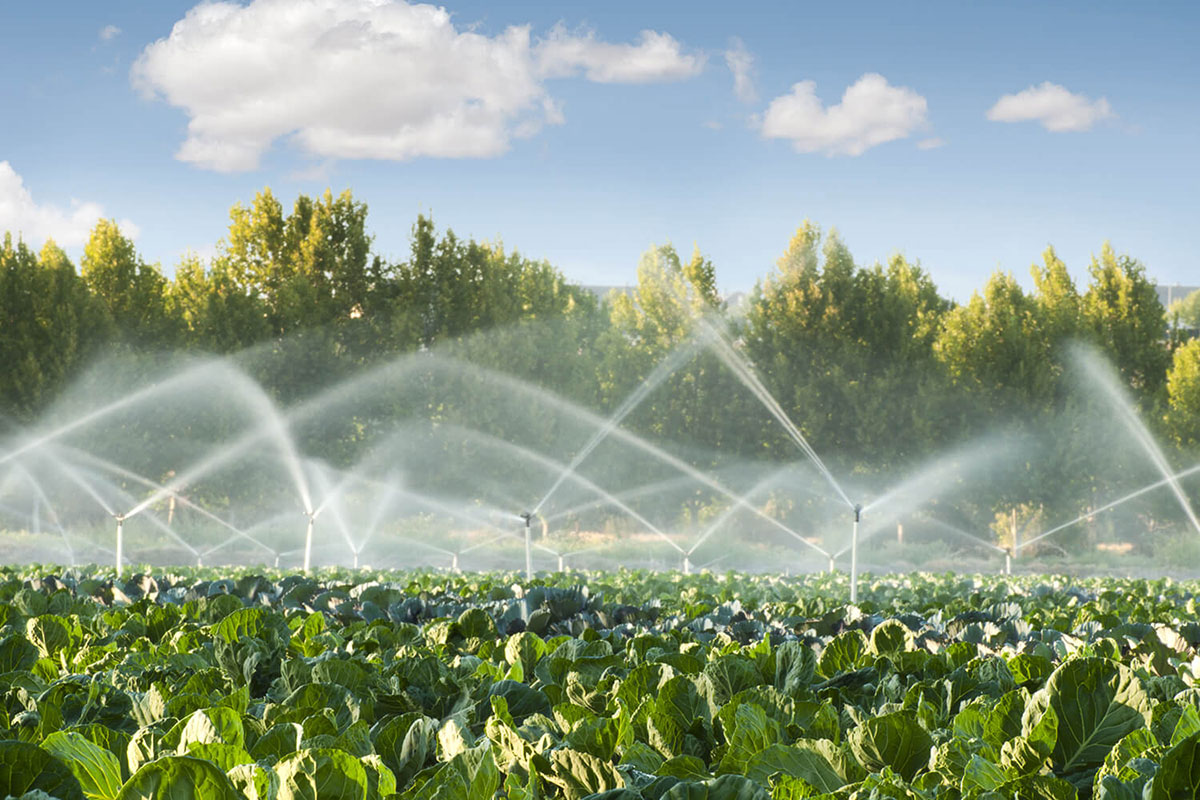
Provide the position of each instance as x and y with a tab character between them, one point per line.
308	537
120	518
528	517
854	554
687	564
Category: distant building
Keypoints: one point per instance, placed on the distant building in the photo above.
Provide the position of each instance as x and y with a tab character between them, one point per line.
1173	293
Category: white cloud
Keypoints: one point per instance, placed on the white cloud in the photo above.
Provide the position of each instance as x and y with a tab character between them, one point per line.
741	63
871	112
656	57
109	32
932	143
381	79
1053	106
35	223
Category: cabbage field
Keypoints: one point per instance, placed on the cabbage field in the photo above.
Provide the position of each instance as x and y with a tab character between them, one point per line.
215	684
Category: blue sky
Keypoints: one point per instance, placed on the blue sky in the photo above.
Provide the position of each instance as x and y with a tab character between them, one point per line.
579	138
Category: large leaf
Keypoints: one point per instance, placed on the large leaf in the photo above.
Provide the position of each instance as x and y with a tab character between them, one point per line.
1097	702
25	767
1178	777
816	761
679	722
179	778
404	743
894	740
470	775
96	769
522	700
321	774
580	774
753	732
726	787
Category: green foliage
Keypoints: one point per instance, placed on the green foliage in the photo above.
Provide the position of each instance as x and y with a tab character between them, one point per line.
905	699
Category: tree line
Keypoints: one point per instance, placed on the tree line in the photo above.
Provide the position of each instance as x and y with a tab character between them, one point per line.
874	365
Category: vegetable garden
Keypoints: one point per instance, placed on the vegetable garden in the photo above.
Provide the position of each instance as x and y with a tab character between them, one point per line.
627	685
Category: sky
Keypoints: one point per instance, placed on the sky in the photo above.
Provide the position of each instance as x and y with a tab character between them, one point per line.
966	136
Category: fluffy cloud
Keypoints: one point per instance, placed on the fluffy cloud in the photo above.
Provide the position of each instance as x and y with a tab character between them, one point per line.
871	112
109	32
656	57
380	79
741	64
34	223
1053	106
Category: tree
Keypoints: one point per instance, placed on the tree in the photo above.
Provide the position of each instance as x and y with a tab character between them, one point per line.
1123	314
311	268
996	344
216	312
51	326
1183	392
847	351
1186	311
133	291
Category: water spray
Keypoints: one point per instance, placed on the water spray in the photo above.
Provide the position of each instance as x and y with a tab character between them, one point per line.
854	554
528	517
308	538
120	518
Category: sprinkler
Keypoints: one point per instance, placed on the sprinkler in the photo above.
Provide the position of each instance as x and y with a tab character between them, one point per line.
120	518
454	562
528	517
854	554
687	565
308	537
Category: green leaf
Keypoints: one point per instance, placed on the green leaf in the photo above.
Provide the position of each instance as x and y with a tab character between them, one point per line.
179	778
25	766
522	700
1096	702
982	775
580	774
846	653
225	756
321	774
405	743
894	740
1178	777
254	781
726	787
96	769
48	633
753	732
815	760
16	653
470	775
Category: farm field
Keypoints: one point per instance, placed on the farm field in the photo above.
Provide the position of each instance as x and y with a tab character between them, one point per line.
230	684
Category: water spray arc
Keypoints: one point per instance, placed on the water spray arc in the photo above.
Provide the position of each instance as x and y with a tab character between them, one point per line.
120	518
528	517
854	554
308	539
1171	480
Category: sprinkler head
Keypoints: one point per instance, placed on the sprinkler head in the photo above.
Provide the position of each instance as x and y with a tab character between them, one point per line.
527	516
858	512
119	518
